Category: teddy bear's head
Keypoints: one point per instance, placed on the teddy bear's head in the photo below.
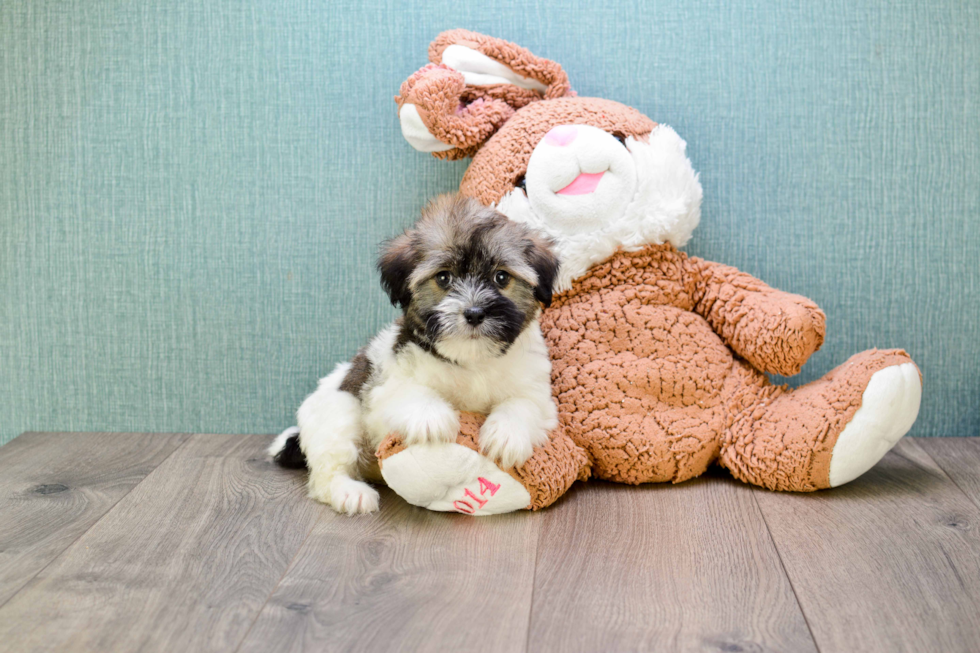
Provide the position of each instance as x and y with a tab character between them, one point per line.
595	175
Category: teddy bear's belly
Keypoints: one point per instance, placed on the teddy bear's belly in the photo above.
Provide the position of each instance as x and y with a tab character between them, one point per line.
641	387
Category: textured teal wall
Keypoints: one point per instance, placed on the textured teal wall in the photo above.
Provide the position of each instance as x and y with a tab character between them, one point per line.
191	192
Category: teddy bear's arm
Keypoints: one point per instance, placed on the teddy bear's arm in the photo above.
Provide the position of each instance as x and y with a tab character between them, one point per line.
775	331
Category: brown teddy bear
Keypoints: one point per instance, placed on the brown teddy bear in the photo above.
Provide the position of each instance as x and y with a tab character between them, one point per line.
659	359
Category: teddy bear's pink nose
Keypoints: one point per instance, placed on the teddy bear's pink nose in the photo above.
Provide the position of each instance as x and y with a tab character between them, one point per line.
561	136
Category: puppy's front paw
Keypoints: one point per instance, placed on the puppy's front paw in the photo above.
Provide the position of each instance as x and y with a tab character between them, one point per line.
344	494
430	422
508	442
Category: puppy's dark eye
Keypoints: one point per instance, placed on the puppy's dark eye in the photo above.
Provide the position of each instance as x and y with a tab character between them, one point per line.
501	278
621	138
521	183
443	279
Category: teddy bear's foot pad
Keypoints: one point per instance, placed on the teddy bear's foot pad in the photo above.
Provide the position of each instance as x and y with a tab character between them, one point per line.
453	478
888	409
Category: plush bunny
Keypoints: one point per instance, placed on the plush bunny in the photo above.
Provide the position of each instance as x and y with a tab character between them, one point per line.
659	359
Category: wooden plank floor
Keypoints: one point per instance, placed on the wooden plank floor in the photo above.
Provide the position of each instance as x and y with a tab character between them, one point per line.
130	542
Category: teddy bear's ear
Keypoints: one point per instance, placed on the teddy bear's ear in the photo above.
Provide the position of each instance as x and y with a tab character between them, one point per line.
474	84
494	67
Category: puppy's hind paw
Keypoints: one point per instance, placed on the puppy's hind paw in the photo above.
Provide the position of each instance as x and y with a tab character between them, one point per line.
346	496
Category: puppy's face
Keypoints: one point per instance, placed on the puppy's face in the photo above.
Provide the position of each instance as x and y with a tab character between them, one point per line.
468	279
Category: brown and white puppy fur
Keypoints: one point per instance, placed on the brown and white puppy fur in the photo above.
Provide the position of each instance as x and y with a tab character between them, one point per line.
470	284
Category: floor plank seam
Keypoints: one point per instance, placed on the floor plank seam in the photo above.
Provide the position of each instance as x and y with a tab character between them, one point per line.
292	562
782	566
82	534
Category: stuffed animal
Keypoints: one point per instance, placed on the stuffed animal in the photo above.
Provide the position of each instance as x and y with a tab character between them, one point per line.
659	359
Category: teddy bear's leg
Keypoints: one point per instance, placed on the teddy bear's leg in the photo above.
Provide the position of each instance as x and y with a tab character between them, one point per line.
456	477
825	433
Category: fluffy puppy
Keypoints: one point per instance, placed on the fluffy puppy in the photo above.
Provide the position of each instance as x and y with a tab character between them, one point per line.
470	284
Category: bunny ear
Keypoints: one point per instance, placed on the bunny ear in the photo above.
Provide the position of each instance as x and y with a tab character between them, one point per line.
474	84
435	118
487	62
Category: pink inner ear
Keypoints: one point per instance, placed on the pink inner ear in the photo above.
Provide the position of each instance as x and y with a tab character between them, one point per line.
475	104
561	136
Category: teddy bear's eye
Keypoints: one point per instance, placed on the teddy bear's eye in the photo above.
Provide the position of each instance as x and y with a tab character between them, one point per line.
620	137
521	183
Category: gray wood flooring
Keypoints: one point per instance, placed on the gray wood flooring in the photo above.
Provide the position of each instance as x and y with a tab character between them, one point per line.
175	542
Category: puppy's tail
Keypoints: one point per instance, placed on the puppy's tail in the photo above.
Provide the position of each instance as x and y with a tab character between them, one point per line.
285	450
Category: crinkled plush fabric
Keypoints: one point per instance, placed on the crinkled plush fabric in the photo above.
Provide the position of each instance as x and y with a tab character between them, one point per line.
649	367
782	439
546	476
659	360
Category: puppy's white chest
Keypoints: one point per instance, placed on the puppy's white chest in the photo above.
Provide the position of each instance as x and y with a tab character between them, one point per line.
475	389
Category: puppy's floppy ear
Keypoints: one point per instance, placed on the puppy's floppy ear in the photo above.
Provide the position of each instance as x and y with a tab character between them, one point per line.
545	263
396	263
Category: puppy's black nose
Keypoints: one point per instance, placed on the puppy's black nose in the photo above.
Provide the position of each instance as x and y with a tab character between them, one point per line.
474	315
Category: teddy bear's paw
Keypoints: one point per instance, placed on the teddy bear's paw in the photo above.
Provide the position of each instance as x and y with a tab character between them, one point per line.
508	441
889	406
430	422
